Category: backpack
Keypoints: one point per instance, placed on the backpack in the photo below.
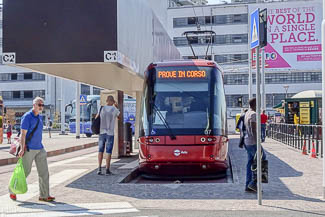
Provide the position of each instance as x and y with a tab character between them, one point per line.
95	125
50	123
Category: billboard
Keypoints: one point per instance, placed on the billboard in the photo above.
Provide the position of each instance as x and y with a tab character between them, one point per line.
294	35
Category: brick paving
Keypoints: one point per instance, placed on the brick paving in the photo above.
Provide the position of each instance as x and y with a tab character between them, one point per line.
295	184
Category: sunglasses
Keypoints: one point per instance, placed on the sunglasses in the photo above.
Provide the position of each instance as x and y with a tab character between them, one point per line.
41	105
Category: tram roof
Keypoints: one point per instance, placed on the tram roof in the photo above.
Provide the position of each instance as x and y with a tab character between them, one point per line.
193	62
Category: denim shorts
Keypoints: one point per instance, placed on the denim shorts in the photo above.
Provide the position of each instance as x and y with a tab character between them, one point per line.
105	140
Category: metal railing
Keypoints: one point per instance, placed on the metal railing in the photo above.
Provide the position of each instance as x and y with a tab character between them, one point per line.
307	138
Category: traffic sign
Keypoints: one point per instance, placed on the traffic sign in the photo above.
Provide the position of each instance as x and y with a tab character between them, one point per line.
254	30
83	99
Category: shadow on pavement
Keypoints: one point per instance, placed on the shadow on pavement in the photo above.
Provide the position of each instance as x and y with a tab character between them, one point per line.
58	207
274	190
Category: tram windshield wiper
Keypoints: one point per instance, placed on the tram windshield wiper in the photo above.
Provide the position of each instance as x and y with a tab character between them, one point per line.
161	116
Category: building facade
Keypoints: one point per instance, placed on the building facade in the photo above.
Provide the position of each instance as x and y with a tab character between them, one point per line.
230	46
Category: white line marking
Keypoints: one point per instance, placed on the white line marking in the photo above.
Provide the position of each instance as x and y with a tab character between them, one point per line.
55	180
60	209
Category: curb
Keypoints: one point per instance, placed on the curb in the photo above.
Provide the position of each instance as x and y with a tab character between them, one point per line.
14	160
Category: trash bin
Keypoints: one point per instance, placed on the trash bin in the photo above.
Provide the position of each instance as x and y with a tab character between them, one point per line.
127	138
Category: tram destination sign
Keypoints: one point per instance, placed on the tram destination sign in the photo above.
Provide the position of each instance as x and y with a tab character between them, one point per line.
181	74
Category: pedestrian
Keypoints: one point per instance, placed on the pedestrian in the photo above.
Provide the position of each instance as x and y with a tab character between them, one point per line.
49	126
241	126
251	144
9	132
33	149
263	125
108	115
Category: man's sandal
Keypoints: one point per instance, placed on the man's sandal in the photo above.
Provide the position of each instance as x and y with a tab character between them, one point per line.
13	197
48	199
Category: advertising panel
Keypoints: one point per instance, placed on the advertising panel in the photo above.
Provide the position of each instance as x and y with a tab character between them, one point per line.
294	35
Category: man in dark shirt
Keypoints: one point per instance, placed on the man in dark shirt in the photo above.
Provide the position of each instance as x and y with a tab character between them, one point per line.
251	144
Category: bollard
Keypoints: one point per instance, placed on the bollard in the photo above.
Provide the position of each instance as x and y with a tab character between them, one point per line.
313	150
304	151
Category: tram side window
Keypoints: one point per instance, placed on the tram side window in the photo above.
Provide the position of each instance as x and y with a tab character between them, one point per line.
144	125
219	120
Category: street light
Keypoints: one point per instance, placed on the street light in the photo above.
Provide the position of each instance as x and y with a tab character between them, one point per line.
286	87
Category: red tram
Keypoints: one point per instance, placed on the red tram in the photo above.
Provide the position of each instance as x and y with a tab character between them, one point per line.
183	128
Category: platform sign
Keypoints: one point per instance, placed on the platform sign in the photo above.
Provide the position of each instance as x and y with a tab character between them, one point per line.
83	99
254	30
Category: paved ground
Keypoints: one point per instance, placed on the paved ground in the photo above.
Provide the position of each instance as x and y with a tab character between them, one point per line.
294	189
57	144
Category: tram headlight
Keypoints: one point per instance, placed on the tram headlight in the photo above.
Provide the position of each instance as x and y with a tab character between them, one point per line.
203	139
150	140
156	167
210	139
157	140
204	166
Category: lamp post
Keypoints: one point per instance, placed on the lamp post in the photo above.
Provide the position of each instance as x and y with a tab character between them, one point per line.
286	87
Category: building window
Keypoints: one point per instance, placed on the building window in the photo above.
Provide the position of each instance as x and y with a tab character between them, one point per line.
28	76
220	19
85	89
180	41
16	94
14	76
4	76
206	20
191	20
40	93
38	76
220	39
96	91
180	22
208	57
232	59
232	100
28	94
6	95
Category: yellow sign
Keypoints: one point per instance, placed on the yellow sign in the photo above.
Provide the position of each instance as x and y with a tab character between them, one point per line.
304	104
304	115
312	104
182	74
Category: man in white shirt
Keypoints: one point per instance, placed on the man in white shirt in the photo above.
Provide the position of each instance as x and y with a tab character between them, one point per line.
108	115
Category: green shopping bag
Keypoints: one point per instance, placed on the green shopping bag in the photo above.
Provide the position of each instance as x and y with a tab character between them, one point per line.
18	184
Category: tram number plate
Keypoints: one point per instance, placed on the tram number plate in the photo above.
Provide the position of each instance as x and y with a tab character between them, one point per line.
207	132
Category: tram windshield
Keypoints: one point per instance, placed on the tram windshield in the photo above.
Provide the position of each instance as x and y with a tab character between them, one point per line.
185	100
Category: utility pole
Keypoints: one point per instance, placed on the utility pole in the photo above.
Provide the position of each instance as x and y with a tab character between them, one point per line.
323	94
263	95
78	111
258	40
62	110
